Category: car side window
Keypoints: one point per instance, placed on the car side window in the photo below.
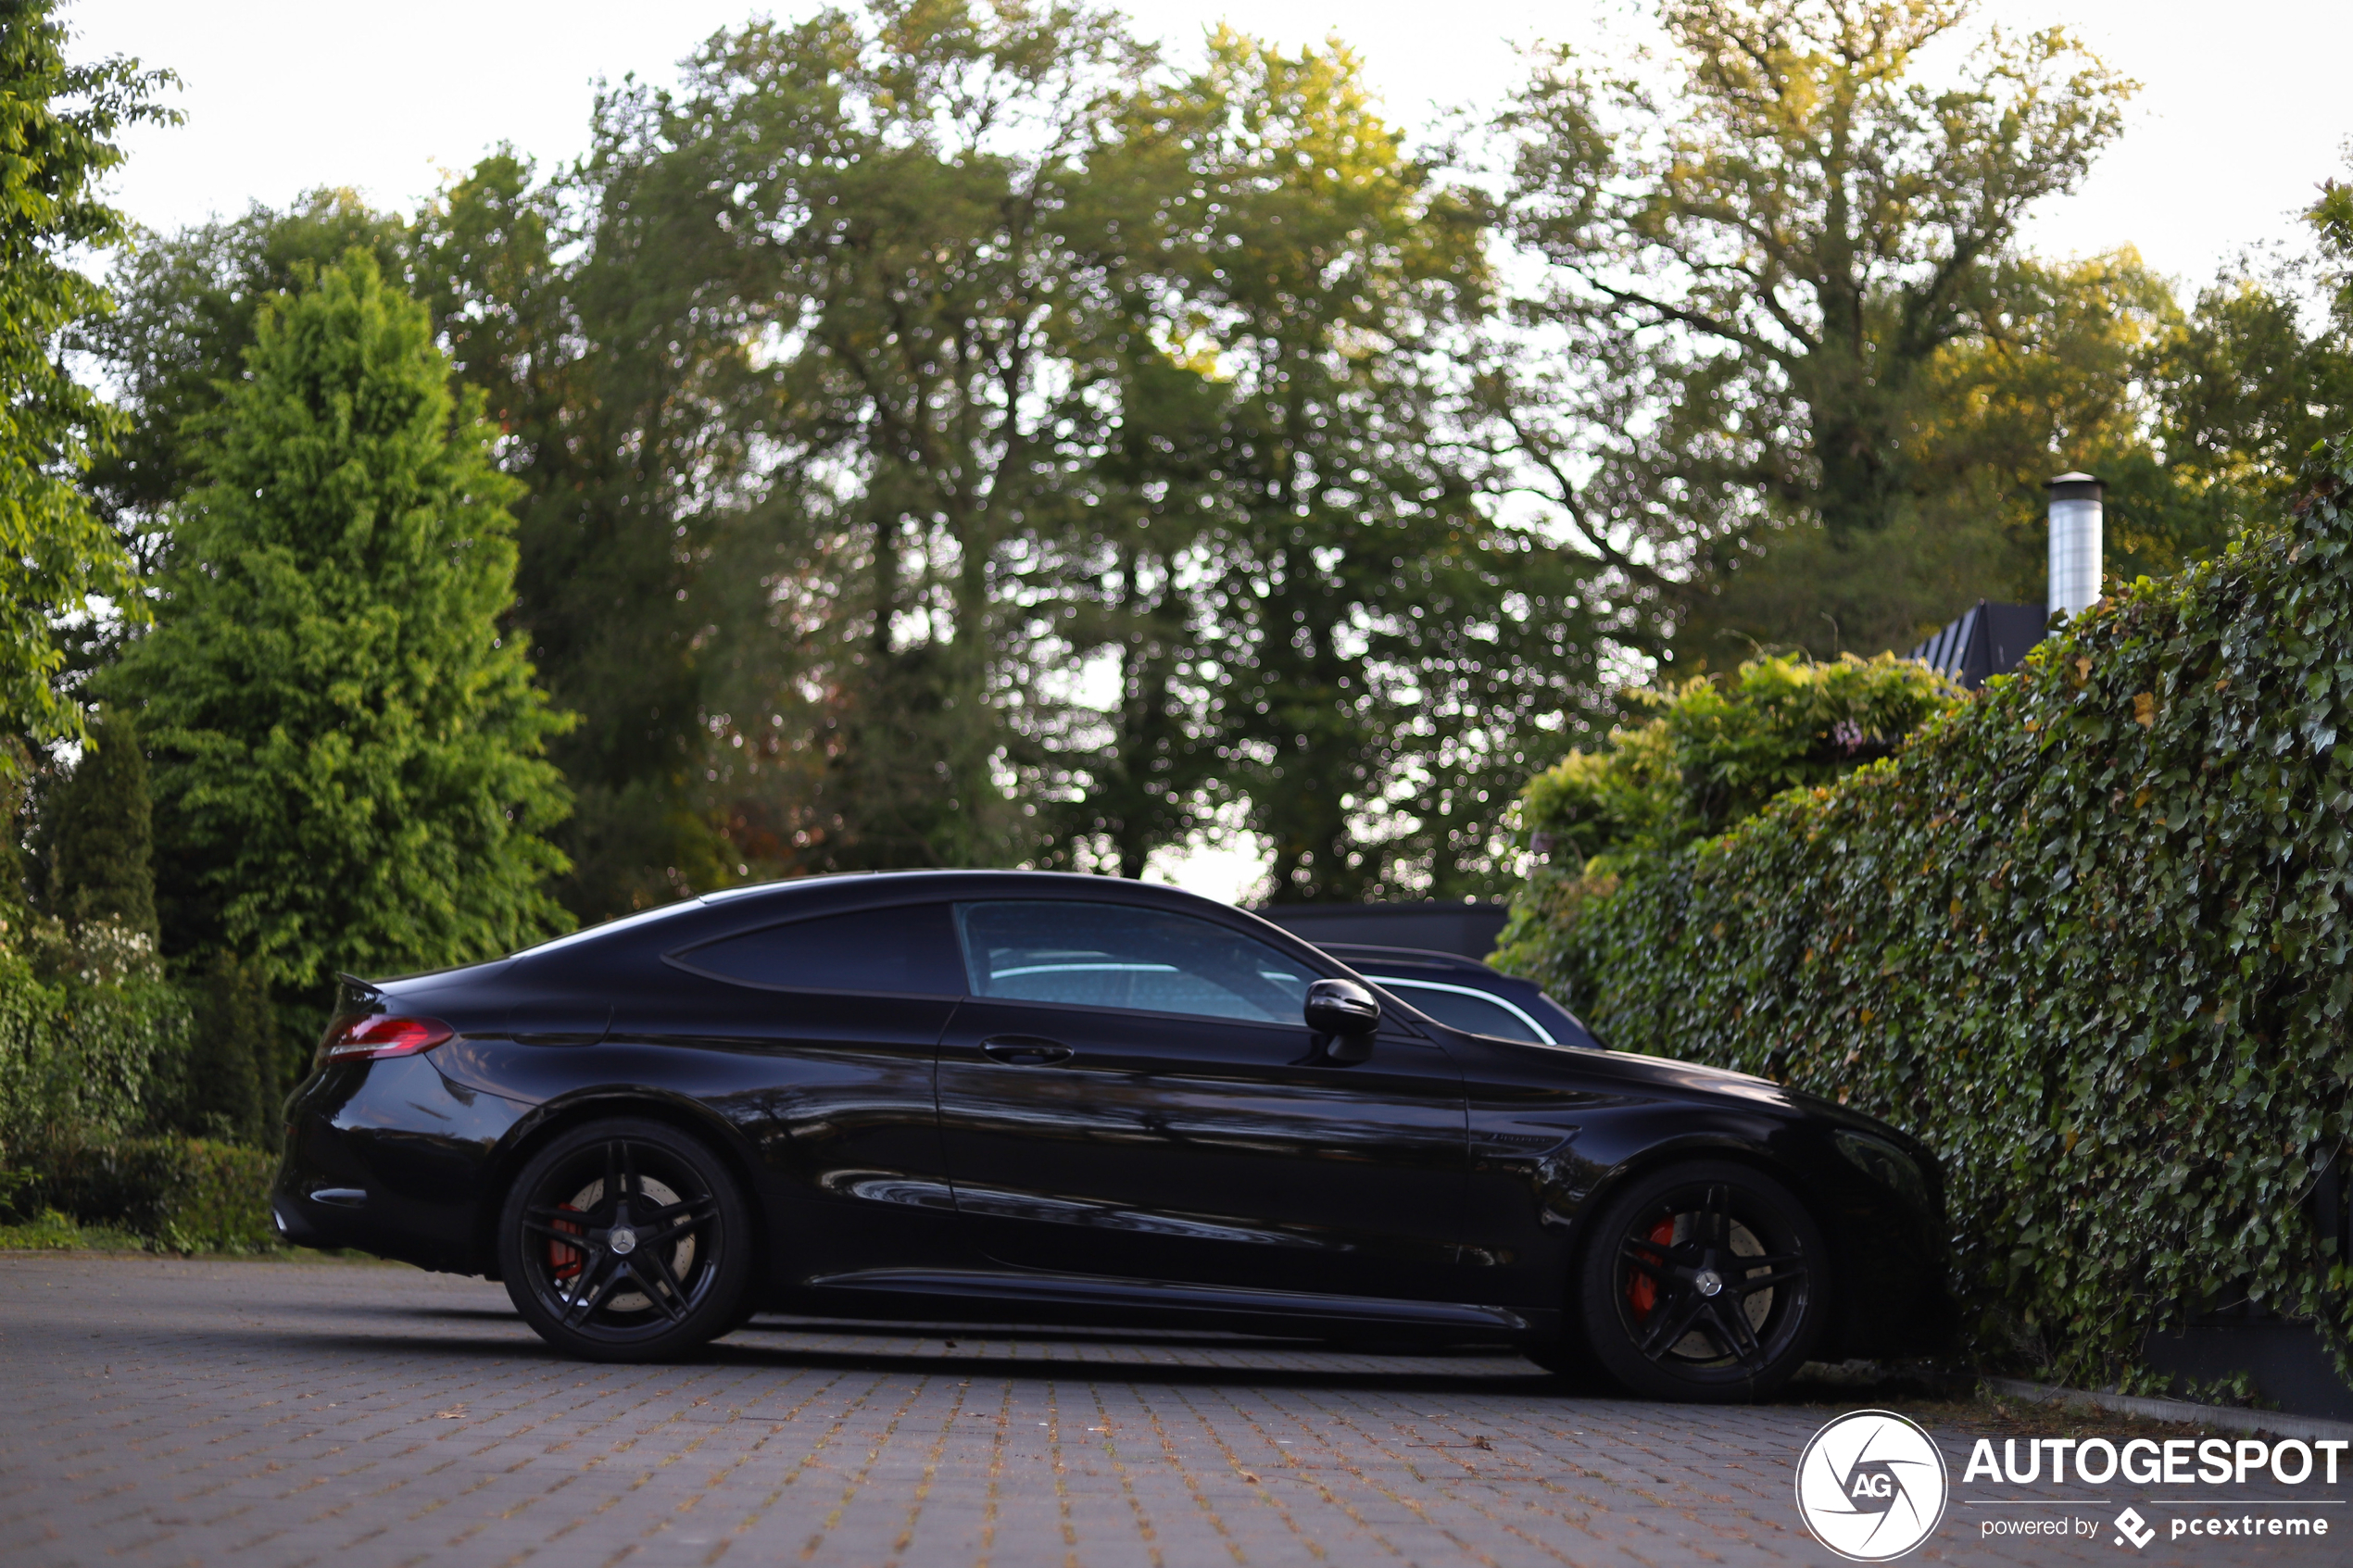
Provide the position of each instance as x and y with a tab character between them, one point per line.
906	950
1117	956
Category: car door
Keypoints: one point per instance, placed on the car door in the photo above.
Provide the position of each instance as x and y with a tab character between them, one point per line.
821	1033
1131	1091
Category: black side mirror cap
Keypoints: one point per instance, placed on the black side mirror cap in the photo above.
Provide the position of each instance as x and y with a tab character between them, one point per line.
1342	1008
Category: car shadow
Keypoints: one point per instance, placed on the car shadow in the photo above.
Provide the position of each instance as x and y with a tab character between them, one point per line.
991	1349
1510	1374
1004	1350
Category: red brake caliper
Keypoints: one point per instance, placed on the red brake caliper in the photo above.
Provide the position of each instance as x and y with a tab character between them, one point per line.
564	1262
1642	1291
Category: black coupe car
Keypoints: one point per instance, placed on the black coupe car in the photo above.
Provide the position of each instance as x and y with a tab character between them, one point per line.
1024	1095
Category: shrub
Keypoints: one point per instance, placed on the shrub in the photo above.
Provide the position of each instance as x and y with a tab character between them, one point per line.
187	1192
2088	935
97	1058
1714	751
92	1039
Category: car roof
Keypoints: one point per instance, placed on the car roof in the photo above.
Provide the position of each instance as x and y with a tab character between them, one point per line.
727	909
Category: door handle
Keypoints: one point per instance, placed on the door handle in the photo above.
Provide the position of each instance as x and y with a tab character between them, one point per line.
1024	1050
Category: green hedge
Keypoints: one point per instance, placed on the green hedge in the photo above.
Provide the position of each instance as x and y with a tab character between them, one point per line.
188	1194
2088	935
95	1060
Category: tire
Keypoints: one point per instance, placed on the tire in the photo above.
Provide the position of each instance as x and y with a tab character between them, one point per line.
1705	1282
745	1312
671	1278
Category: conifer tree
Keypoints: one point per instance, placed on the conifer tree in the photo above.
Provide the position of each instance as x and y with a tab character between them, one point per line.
100	831
347	754
231	1080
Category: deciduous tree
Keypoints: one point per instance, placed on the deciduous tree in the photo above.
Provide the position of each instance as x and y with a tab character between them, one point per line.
1391	660
57	125
1758	265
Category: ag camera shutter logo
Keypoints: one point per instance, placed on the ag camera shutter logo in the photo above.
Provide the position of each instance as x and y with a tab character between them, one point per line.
1871	1486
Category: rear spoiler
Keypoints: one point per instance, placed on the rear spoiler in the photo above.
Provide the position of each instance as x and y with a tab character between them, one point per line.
355	995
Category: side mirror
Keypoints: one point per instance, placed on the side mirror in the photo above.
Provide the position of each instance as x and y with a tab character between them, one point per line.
1342	1008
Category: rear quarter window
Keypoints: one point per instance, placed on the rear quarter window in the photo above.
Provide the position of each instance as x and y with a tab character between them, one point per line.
904	951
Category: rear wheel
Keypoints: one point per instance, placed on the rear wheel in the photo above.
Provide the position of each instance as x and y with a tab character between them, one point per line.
1705	1281
626	1240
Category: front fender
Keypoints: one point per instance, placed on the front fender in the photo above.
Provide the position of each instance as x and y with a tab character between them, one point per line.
1547	1157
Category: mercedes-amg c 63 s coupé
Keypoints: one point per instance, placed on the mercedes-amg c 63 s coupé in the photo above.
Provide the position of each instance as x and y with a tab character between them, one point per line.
985	1095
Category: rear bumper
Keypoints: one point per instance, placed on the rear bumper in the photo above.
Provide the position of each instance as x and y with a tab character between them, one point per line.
390	1157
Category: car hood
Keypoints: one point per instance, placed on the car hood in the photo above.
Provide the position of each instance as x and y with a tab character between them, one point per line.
1691	1077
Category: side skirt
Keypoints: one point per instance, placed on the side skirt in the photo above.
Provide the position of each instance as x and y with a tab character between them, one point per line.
1043	1297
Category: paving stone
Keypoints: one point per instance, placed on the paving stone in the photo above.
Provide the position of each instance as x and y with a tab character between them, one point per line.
281	1415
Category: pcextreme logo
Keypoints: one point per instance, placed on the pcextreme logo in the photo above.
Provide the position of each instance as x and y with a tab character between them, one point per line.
1871	1486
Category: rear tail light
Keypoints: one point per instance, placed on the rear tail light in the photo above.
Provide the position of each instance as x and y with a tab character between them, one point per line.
368	1036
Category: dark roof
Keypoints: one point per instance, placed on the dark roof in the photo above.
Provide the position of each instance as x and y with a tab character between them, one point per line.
1468	929
1986	641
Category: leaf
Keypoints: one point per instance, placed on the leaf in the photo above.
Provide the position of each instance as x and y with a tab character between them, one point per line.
2165	1010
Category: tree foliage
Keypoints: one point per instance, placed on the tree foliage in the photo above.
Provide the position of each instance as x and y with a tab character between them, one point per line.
57	125
99	830
234	1079
914	478
186	307
1759	269
2086	935
345	751
950	433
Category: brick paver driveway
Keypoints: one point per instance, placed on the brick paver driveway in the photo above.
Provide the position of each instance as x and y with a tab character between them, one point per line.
262	1413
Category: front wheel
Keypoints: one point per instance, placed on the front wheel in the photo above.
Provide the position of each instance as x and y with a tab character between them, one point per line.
1705	1281
625	1240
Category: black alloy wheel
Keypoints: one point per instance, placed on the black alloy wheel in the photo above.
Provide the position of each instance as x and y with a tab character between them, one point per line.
626	1240
1705	1281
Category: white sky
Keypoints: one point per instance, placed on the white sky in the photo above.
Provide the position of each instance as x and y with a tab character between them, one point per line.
2242	110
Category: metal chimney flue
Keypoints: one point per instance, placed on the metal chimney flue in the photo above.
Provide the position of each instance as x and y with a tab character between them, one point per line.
2076	524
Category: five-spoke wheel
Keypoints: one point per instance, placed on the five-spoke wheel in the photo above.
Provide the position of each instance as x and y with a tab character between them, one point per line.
1706	1281
625	1240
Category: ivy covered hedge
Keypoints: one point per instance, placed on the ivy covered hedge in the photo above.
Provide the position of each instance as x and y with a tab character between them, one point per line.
2088	935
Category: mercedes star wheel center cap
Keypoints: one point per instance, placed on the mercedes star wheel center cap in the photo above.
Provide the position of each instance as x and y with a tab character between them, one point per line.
624	1240
1709	1281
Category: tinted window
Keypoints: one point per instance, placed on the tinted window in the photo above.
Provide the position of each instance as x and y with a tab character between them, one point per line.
1111	956
911	949
1458	1009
